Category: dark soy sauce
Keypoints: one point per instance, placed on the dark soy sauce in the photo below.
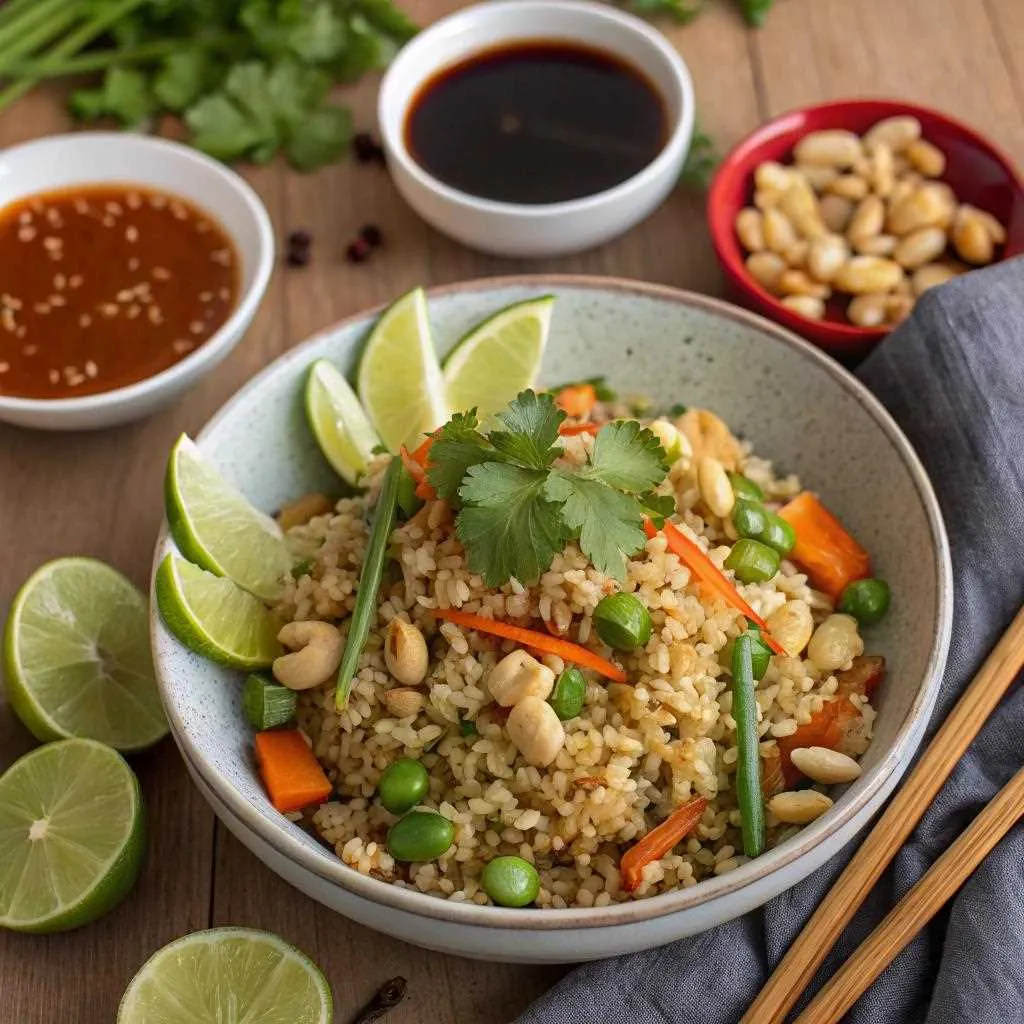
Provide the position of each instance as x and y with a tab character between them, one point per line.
536	122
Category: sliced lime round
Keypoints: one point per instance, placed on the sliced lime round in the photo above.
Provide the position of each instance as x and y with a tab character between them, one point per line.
77	660
228	974
215	526
72	836
499	358
214	617
399	379
338	422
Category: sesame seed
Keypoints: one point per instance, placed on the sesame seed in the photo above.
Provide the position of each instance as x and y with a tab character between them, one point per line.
54	376
21	332
42	308
143	290
52	243
81	206
161	273
70	371
37	206
133	264
57	300
91	369
179	211
181	346
157	201
56	255
54	217
84	320
25	217
224	294
202	227
155	315
126	295
108	221
7	319
59	282
134	200
206	296
108	309
4	367
30	350
196	327
75	280
76	379
10	302
26	234
221	256
114	208
133	310
131	233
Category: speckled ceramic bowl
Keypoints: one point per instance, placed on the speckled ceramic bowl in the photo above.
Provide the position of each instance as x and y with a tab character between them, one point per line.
802	410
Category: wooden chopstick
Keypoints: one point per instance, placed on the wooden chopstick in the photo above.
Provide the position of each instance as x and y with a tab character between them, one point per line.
918	906
819	935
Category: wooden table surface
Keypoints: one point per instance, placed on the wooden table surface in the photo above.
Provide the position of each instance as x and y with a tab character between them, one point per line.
100	494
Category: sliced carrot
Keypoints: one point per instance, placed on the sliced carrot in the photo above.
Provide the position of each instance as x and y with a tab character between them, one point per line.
565	649
572	429
772	778
577	400
290	771
676	827
708	573
825	729
416	463
824	550
863	675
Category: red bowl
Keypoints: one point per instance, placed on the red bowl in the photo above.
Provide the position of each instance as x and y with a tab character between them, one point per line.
978	171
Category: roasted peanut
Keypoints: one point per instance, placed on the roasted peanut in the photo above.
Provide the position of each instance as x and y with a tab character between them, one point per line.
766	268
836	212
779	233
708	435
772	176
877	245
300	511
994	228
798	282
930	275
926	158
849	186
750	229
405	652
800	204
920	247
403	701
898	308
805	305
792	626
829	767
715	488
867	310
971	237
833	148
798	807
925	207
883	174
827	254
817	175
867	221
895	132
519	675
535	730
863	274
835	643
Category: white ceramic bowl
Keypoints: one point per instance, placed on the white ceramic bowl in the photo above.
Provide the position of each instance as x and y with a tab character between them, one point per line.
88	158
546	229
801	409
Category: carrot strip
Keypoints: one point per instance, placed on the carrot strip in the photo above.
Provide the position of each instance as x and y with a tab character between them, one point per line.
825	729
773	779
824	550
565	649
577	400
708	573
572	429
679	824
415	464
290	771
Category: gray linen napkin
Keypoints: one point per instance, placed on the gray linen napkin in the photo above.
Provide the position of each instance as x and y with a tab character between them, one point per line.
953	377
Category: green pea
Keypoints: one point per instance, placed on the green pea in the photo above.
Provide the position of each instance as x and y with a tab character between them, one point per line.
569	693
622	621
745	488
403	785
750	518
752	561
866	600
511	881
420	836
777	534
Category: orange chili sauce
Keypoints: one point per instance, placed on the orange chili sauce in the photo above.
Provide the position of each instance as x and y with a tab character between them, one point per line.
103	286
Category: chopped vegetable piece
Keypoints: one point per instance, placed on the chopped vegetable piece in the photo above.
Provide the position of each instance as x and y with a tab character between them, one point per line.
679	824
825	729
760	652
420	836
750	518
708	573
866	600
532	638
599	384
403	784
824	550
772	779
467	727
574	429
266	704
365	609
303	568
744	488
290	771
862	677
409	502
622	621
416	465
778	534
748	762
752	561
569	693
577	400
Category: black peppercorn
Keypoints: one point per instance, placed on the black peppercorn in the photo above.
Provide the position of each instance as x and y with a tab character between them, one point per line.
371	235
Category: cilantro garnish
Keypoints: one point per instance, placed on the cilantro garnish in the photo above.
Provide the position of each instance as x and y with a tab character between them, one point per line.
517	509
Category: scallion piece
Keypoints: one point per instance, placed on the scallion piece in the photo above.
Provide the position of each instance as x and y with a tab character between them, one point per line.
748	762
266	704
369	581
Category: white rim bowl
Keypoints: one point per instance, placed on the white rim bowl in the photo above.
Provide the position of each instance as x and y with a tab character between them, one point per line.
110	158
541	229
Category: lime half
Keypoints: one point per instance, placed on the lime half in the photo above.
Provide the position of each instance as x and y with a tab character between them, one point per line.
399	379
71	836
499	358
226	975
338	422
215	526
214	617
77	660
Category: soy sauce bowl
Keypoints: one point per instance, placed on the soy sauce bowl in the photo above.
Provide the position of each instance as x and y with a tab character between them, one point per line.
542	229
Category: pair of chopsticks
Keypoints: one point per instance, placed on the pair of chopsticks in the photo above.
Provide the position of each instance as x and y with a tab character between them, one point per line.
940	882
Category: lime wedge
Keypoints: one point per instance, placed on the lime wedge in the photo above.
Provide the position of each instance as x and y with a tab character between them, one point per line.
338	422
399	380
226	975
216	527
214	617
499	358
77	660
72	836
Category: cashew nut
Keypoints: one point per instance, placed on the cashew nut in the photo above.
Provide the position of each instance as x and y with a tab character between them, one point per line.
535	730
519	675
316	654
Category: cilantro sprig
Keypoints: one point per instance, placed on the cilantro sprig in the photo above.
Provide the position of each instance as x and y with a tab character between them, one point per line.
518	509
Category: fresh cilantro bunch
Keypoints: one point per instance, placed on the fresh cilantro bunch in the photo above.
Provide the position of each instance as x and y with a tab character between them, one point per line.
250	78
517	510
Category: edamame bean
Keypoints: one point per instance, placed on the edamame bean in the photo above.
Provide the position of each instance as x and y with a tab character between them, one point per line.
744	488
866	600
622	621
750	518
752	561
778	534
403	784
569	693
511	881
420	836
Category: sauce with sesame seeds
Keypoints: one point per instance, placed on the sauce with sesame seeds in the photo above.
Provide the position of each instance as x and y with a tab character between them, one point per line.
104	286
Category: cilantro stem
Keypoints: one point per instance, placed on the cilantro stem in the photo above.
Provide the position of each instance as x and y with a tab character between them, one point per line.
99	60
26	35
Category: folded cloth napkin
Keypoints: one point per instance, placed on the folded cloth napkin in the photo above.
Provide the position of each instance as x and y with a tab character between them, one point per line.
953	378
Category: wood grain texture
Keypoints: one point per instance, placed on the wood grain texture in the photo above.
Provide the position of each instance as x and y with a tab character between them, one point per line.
100	494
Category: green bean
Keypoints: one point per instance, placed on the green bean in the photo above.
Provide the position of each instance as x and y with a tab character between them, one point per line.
745	488
369	581
760	652
748	761
752	561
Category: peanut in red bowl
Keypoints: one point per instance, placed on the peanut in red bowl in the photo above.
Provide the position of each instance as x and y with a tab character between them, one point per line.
977	171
